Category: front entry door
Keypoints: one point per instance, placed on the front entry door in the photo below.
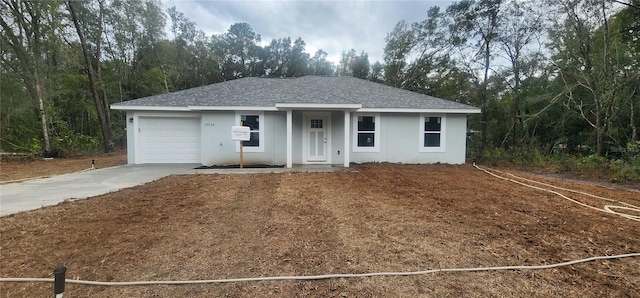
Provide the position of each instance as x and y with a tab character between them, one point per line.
316	127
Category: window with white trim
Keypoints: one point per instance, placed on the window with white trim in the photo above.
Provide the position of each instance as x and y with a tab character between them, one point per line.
432	133
366	133
254	121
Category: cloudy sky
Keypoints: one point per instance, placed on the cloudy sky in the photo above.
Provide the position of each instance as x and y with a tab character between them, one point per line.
334	26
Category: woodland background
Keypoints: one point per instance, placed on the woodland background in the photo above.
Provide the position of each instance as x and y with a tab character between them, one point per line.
558	81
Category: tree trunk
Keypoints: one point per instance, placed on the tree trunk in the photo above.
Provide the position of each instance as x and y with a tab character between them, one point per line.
632	122
43	119
517	100
100	101
162	69
599	131
484	93
104	101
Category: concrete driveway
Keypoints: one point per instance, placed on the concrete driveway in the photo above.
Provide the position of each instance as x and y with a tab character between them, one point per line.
37	193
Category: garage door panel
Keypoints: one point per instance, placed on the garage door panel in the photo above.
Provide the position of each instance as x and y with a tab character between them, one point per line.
170	140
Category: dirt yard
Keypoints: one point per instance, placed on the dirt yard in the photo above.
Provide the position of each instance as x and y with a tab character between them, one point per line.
380	218
18	170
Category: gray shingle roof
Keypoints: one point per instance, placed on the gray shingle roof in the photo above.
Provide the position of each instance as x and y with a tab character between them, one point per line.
266	92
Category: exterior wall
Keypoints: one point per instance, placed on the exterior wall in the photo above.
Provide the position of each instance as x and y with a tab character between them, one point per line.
456	143
337	138
131	144
400	141
297	120
278	140
219	149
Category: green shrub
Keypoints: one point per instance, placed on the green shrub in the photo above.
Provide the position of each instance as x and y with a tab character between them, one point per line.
590	166
524	157
73	144
563	163
592	161
627	173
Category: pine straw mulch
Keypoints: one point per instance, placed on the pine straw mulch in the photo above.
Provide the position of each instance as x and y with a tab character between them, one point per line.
381	218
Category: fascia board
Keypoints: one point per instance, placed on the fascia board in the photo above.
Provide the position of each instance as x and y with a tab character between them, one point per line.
441	111
230	108
149	108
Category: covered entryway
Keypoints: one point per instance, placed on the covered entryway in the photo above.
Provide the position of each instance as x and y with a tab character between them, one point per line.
169	140
316	131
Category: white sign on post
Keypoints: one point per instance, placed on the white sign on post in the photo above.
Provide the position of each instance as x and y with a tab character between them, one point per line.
240	133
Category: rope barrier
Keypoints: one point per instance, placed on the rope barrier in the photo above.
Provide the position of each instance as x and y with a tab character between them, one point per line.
606	208
318	277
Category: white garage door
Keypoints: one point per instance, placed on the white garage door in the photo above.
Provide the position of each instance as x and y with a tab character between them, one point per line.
169	140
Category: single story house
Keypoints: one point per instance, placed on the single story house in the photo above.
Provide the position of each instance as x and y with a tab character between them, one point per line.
306	120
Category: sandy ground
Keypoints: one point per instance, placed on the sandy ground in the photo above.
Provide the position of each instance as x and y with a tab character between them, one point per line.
381	218
12	171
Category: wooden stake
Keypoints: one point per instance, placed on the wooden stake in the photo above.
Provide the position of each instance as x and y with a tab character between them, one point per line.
241	153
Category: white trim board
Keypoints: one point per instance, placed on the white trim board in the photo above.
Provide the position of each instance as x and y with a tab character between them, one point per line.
230	108
150	108
435	111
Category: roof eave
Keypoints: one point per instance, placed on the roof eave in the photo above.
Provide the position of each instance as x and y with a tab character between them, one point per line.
231	108
149	108
191	108
404	110
295	106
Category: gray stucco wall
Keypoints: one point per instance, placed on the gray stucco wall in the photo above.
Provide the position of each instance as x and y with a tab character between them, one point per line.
131	145
297	137
400	141
337	138
217	148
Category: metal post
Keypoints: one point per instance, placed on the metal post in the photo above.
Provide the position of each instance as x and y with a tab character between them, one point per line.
58	281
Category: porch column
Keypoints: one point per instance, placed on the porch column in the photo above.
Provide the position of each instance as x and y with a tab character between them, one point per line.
289	139
347	138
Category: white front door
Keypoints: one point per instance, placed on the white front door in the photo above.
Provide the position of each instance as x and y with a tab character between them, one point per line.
316	138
